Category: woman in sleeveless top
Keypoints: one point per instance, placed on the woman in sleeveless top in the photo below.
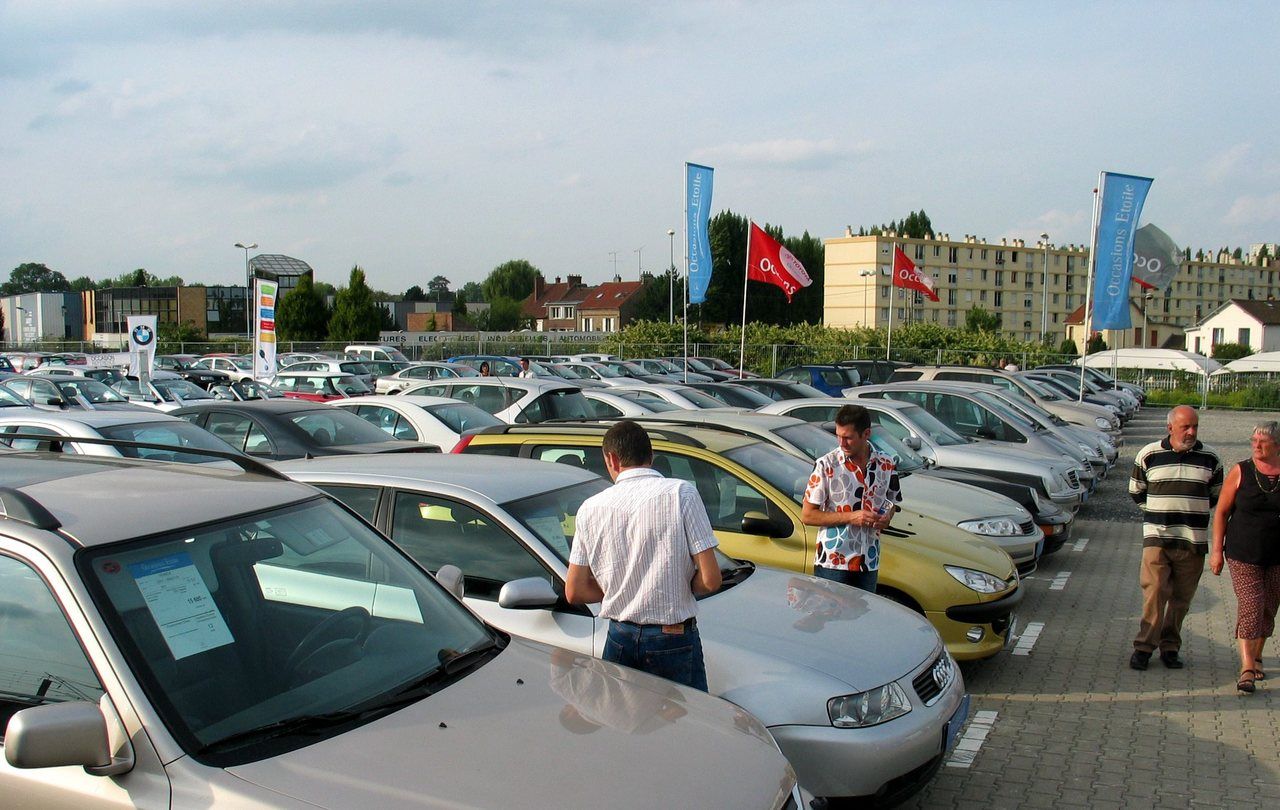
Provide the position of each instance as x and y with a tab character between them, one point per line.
1246	531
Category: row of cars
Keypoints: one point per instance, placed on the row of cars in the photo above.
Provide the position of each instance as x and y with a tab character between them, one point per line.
507	525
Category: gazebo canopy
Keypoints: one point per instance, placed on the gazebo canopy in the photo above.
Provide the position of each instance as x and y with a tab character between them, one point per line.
1153	359
1264	361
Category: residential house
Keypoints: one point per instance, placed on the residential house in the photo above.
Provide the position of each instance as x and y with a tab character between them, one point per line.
1253	323
554	307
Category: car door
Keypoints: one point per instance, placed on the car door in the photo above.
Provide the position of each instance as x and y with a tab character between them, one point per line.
388	420
241	432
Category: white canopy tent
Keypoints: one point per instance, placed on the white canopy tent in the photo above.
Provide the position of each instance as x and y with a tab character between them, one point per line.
1263	361
1153	359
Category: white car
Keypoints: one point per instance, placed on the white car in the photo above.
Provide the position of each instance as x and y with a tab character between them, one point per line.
681	396
141	425
353	367
238	368
514	400
164	391
421	372
591	370
609	403
858	691
434	420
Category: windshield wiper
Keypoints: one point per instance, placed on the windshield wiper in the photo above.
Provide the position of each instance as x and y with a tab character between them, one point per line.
456	662
300	724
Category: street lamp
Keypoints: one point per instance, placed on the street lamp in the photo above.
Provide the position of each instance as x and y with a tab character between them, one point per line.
639	269
671	278
866	273
248	288
1146	302
1044	283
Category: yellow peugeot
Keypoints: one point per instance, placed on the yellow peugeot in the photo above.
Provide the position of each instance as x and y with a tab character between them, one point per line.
965	585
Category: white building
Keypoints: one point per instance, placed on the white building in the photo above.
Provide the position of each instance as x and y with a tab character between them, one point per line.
1252	323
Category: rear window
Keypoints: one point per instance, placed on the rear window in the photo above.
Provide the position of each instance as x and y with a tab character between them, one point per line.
462	417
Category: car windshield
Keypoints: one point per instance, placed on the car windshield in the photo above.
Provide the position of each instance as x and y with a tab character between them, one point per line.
252	389
181	388
8	399
1005	411
337	426
809	438
264	633
92	390
928	424
242	363
788	473
351	386
354	368
604	371
1042	389
172	433
904	458
564	372
702	400
462	416
737	396
800	389
667	366
650	401
712	364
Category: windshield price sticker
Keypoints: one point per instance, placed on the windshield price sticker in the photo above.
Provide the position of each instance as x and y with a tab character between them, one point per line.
180	603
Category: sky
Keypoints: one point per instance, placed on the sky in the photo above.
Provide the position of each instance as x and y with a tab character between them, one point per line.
418	138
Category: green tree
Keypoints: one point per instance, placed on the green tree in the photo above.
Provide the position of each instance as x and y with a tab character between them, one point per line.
1263	256
460	302
1096	344
438	287
30	277
513	280
1068	347
356	316
503	315
415	293
1226	352
472	292
978	319
82	284
171	335
302	313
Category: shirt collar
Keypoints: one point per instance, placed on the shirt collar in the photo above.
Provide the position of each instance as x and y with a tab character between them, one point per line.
637	472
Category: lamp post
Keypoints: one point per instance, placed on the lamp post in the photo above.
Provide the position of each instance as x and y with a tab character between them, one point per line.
1044	283
671	278
248	288
1146	302
639	269
868	272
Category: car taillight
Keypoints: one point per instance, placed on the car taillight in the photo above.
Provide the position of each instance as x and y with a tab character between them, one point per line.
463	441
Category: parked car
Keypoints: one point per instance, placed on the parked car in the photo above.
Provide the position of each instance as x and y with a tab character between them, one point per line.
254	644
434	420
499	365
574	376
681	397
984	514
237	368
787	648
670	371
245	391
418	372
319	386
1101	378
375	352
965	585
141	425
1124	401
287	428
776	389
513	400
733	396
107	375
164	391
590	370
1069	390
829	379
184	366
695	366
610	403
56	393
873	371
355	368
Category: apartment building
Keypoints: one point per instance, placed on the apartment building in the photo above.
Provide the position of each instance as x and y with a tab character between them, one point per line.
1032	287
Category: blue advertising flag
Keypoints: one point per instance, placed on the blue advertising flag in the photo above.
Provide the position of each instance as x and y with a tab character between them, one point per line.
1120	206
697	187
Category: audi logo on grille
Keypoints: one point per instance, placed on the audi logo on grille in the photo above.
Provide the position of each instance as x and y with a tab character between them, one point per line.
942	674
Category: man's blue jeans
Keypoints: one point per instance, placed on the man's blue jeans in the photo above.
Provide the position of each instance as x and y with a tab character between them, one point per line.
674	656
866	580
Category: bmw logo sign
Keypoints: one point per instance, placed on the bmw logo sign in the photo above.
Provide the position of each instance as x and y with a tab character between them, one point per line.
143	335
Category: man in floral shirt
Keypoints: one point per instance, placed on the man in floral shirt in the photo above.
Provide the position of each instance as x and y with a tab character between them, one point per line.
852	496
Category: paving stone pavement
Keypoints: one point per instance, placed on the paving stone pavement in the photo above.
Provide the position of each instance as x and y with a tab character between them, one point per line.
1068	724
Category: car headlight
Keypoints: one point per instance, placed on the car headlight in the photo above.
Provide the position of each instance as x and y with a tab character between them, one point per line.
1091	453
870	708
992	527
1102	423
979	581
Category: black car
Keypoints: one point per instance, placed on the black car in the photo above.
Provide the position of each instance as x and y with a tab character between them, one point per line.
180	364
281	429
735	396
776	389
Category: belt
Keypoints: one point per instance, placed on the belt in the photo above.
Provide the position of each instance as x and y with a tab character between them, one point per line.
688	624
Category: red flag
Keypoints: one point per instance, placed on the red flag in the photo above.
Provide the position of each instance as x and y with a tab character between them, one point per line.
769	261
906	275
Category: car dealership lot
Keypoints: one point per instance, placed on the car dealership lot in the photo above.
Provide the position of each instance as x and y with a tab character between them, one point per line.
1062	721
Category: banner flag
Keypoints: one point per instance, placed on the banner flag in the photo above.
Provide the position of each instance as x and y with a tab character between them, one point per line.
905	274
697	187
264	333
142	344
1156	259
1120	206
769	260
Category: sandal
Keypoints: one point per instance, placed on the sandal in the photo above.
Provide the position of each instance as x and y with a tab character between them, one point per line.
1245	684
1258	674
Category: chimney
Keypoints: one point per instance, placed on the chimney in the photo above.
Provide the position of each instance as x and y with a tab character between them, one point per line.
574	281
617	279
557	279
539	286
848	231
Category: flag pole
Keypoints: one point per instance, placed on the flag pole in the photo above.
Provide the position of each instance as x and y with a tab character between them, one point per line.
1088	287
893	277
746	272
685	297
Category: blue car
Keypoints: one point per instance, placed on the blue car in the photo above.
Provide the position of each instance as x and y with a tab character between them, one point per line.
829	379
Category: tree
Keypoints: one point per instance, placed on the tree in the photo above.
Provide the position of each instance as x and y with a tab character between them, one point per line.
460	302
504	315
30	277
82	284
1096	344
356	316
415	293
472	292
1263	256
438	287
1226	352
979	320
170	335
513	280
302	313
1068	347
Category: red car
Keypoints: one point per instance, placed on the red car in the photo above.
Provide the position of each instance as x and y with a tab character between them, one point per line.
319	386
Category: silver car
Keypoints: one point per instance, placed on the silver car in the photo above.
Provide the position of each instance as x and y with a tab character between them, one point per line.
180	636
857	690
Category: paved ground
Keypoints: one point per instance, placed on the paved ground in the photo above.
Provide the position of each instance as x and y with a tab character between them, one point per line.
1063	721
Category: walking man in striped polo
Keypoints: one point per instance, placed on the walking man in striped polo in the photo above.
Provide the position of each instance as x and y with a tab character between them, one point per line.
1176	481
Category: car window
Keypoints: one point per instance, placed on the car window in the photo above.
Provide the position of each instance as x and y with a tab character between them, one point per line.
436	531
33	444
797	374
603	410
459	417
769	391
92	390
335	426
19	386
552	516
726	497
362	500
43	660
240	432
556	405
590	458
172	434
815	413
424	373
388	421
488	398
904	376
835	378
130	388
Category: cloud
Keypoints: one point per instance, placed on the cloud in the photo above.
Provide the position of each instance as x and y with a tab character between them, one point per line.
81	102
1222	166
1251	209
794	153
71	87
398	179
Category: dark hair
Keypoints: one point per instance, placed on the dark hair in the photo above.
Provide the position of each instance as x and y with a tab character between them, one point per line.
855	415
630	443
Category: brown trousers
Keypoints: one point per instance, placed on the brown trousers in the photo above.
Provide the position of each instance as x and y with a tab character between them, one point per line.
1169	578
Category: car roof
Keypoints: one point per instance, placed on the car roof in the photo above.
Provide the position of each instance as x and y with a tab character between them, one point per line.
277	406
421	400
500	478
94	419
100	500
752	421
717	441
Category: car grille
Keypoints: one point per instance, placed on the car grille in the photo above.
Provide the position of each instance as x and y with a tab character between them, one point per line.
935	679
1028	527
1073	478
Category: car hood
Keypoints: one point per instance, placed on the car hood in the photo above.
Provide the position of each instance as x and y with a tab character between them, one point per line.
997	455
535	727
947	542
954	502
812	634
392	446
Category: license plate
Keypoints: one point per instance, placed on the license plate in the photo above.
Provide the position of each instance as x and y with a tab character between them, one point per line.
952	731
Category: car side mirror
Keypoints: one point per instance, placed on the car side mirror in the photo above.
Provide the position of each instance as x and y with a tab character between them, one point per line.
73	733
530	592
761	524
913	442
985	433
450	578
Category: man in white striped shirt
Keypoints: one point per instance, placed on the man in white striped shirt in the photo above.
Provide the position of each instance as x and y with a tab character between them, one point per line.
644	548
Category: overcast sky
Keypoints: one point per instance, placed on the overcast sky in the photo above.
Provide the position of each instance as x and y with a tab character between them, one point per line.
418	138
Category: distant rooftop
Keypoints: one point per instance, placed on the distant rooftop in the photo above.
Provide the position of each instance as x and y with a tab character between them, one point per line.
279	265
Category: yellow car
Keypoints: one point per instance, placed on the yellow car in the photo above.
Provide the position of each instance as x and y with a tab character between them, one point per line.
965	585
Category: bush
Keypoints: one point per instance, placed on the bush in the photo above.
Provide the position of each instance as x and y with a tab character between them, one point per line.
1226	352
